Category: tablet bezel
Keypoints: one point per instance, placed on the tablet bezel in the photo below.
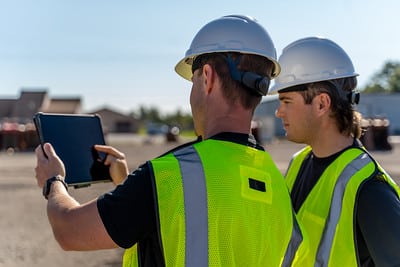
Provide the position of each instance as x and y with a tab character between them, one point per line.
55	128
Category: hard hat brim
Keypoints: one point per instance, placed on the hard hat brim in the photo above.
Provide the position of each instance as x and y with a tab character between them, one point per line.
184	68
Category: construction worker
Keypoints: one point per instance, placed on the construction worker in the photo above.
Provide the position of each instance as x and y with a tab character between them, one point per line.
347	203
217	201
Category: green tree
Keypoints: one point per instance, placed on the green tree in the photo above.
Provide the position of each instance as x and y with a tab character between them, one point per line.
386	80
149	114
394	80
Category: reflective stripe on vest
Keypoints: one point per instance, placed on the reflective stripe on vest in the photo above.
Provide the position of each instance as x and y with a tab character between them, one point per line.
294	244
335	210
195	195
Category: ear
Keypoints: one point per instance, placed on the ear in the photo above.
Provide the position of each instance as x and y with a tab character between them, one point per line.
323	103
209	75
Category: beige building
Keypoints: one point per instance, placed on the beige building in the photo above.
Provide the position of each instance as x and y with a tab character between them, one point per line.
115	122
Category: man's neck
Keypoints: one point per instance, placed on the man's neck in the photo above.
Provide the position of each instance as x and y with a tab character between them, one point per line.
228	123
330	144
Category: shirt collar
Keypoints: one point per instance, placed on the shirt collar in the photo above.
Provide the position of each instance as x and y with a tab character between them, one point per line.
239	138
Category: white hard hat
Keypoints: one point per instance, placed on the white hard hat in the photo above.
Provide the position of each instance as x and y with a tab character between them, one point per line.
312	59
234	33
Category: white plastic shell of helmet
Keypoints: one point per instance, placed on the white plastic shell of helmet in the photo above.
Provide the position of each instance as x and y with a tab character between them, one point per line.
234	33
312	59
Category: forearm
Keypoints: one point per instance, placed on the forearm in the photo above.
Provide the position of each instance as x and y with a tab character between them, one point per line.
60	205
76	226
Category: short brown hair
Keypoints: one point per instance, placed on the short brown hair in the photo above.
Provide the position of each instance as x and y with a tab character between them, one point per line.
233	90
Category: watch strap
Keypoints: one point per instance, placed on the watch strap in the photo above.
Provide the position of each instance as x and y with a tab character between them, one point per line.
49	182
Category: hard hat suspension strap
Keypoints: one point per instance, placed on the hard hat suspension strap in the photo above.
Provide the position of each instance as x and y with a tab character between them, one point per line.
353	96
251	80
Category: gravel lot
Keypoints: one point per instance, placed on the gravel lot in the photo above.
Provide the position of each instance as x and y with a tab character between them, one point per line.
27	239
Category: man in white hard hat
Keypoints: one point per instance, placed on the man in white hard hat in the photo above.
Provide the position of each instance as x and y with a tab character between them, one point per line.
348	205
217	201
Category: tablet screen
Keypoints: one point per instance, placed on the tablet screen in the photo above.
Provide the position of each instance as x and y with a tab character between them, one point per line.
73	137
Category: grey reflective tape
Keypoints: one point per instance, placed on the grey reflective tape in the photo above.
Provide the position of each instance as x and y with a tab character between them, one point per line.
290	164
324	249
294	244
195	201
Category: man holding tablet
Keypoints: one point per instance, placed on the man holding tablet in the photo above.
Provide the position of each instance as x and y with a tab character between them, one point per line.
217	201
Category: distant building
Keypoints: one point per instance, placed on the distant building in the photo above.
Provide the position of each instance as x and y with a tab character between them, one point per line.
23	108
17	131
382	105
66	105
115	122
269	126
16	117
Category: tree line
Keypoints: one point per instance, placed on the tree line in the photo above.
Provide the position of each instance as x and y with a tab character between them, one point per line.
183	120
387	80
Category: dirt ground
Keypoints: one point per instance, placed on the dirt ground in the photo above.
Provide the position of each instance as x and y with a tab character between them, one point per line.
26	236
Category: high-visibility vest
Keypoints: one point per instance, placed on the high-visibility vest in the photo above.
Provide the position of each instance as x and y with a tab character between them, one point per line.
327	214
222	204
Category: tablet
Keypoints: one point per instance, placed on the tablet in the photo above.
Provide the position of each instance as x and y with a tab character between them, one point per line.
73	137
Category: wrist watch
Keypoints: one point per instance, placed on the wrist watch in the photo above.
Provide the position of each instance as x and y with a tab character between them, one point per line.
49	182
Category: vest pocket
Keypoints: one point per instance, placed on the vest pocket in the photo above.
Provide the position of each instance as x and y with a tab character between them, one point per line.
255	185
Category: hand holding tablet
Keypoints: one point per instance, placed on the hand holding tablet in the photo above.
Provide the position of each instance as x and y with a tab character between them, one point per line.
73	137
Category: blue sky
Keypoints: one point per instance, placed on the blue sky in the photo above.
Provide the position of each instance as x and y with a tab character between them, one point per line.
122	53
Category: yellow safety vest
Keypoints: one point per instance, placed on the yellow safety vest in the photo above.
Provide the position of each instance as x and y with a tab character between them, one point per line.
222	204
327	214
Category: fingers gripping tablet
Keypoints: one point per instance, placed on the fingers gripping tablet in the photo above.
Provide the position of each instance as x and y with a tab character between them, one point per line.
73	137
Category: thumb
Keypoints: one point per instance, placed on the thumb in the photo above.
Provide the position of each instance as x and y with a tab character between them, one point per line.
49	150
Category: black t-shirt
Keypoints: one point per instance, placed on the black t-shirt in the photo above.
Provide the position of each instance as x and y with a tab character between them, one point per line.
377	212
129	212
